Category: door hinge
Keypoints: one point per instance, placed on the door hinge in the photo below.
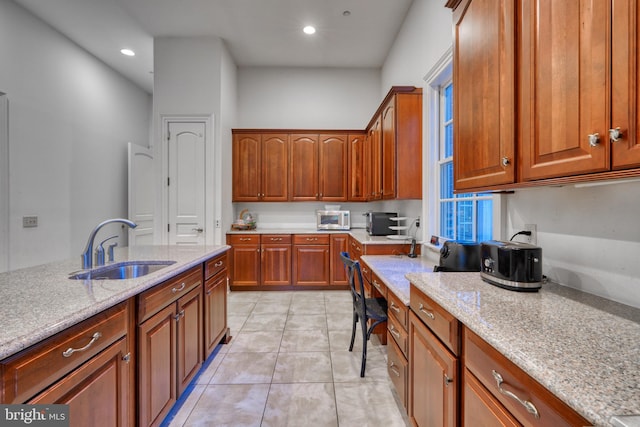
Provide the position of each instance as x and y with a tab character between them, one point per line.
168	136
168	228
168	181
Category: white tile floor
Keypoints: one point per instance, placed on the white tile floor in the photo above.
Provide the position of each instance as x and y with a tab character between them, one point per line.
288	364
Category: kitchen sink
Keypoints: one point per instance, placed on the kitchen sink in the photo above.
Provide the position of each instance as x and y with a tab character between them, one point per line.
121	270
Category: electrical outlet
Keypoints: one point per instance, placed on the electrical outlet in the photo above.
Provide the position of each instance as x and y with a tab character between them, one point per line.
217	223
29	221
418	222
533	239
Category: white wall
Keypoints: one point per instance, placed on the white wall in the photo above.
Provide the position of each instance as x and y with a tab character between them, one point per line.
70	118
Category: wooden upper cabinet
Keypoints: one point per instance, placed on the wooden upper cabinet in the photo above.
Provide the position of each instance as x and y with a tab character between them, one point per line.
564	106
408	136
304	167
260	167
333	167
484	93
357	183
246	167
389	149
275	165
375	160
625	98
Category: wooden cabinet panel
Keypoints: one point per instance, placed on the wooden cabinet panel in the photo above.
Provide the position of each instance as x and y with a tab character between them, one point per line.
215	311
441	322
398	368
357	174
275	165
246	154
245	259
311	265
333	167
625	80
482	409
375	160
189	337
484	104
152	300
486	363
389	149
157	391
409	145
565	88
433	381
304	167
29	372
338	243
215	265
398	310
276	264
98	392
399	335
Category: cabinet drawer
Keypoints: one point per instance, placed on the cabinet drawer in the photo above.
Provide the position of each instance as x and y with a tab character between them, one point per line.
398	370
366	271
488	366
379	285
398	310
275	238
441	322
158	297
215	265
243	239
31	371
399	335
310	239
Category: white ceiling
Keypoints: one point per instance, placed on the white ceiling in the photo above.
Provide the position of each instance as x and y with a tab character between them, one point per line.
256	32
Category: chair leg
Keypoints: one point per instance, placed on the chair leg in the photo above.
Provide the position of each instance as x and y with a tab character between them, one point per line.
365	338
353	330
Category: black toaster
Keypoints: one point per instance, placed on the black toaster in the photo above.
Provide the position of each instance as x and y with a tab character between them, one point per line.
512	265
459	255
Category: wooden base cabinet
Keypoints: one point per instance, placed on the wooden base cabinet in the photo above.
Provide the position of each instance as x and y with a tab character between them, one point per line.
275	259
311	259
216	277
169	343
245	259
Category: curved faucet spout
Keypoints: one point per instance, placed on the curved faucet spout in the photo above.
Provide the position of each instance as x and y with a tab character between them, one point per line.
88	250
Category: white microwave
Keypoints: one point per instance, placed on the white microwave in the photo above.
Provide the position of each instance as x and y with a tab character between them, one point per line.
333	220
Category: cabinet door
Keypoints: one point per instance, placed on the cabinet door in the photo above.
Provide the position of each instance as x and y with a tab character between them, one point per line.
304	167
625	102
275	168
215	311
480	408
565	88
389	149
357	191
157	366
98	392
375	157
339	243
189	338
484	93
276	264
311	265
246	167
333	167
433	378
409	145
245	265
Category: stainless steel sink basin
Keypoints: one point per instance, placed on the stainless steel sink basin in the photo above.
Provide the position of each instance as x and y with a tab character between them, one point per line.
122	270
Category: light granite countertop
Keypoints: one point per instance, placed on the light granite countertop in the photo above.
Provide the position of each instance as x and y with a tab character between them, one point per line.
360	234
391	269
37	302
583	348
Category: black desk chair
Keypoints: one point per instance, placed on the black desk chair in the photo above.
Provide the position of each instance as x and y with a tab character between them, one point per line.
363	308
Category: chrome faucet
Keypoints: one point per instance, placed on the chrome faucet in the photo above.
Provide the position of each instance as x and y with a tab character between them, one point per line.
87	262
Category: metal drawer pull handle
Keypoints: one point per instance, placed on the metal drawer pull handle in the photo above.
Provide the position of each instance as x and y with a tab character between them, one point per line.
276	239
392	366
530	407
182	286
394	332
245	239
218	264
427	312
395	307
68	352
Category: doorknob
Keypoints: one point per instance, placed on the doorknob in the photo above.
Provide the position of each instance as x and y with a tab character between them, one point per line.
199	230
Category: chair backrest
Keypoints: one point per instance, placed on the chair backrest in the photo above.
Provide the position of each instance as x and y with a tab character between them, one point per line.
356	283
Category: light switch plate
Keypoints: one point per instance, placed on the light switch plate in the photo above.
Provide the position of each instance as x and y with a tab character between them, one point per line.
29	221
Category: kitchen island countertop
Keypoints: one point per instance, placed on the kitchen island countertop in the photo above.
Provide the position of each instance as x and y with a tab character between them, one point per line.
37	302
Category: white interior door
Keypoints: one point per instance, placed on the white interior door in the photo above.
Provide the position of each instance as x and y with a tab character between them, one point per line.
186	183
141	195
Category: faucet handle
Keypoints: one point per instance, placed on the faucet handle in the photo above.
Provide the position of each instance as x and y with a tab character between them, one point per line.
110	251
100	251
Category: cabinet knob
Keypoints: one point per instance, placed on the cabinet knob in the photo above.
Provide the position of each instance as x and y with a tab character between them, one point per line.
594	139
505	161
615	135
447	380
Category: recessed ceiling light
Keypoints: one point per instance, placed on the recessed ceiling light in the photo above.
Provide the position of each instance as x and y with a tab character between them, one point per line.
309	29
346	13
127	52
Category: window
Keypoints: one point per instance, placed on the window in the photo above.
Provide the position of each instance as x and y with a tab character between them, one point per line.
457	216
